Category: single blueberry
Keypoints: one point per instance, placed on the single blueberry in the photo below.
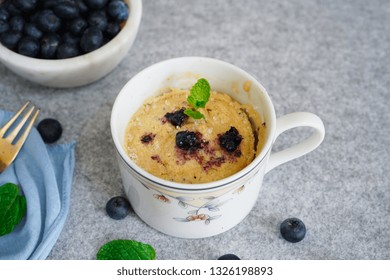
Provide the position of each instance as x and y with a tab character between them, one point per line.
33	17
47	21
4	15
30	29
95	4
176	118
10	39
230	140
112	29
118	10
50	130
188	140
92	39
98	19
77	26
118	207
49	46
229	257
67	50
71	39
28	46
11	9
66	10
26	6
82	6
16	23
50	4
4	26
293	230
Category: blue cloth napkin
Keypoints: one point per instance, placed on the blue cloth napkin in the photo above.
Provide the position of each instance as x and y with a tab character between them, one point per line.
44	173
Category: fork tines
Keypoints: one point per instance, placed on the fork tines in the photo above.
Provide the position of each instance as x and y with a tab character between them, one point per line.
11	131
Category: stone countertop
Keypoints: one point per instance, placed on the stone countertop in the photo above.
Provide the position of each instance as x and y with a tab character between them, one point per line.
331	58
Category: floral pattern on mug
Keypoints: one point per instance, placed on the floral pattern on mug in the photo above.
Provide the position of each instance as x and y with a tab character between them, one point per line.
183	201
197	214
201	217
162	198
239	190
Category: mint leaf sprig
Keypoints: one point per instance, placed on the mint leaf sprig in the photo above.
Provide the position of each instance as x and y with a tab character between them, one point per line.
123	249
199	96
12	208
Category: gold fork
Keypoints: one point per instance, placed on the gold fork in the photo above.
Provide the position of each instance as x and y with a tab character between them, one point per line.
9	148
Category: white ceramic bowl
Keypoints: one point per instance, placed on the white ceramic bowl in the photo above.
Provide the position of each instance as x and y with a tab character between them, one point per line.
80	70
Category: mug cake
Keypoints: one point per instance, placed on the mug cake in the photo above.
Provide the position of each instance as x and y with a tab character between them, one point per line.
166	141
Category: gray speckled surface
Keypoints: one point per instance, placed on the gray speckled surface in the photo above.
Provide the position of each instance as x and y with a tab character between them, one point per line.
327	57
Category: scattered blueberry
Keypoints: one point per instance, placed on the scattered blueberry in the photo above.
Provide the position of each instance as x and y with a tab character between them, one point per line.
118	207
49	46
188	140
229	257
50	130
91	40
28	46
176	118
293	230
98	19
230	140
10	39
47	21
77	26
112	29
30	29
66	10
118	10
67	50
95	4
4	26
16	23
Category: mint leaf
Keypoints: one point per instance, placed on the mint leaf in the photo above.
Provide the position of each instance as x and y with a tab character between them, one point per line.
193	114
12	208
122	249
199	94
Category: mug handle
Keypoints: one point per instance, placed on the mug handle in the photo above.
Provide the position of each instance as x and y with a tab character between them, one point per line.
293	120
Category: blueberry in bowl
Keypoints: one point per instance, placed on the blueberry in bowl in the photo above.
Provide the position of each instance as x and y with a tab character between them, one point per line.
66	43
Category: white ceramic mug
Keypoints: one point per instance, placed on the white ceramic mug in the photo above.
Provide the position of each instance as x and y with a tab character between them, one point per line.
207	209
